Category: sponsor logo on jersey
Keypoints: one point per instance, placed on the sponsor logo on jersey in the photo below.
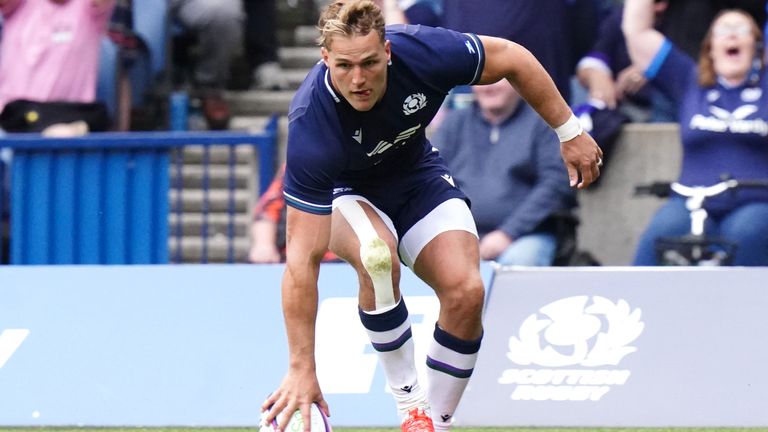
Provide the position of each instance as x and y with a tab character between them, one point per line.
722	120
400	139
751	94
449	179
414	103
381	147
570	349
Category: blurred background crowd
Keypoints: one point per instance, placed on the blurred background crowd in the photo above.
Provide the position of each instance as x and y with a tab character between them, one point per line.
70	67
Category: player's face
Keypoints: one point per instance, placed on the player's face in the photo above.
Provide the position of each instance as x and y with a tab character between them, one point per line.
358	67
733	46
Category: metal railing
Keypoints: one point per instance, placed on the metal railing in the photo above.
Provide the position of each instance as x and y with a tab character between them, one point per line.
109	198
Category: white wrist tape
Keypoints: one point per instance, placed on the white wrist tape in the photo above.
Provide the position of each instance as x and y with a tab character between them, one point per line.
569	130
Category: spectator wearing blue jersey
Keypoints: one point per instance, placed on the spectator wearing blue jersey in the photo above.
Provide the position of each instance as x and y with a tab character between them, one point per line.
722	105
505	158
363	181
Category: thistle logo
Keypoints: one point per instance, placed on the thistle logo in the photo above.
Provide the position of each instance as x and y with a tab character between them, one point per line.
577	331
10	341
414	103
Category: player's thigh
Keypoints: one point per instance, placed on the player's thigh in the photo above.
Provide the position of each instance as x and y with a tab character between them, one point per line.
449	263
355	223
444	249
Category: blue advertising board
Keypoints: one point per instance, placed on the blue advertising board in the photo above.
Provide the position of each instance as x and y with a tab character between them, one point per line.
180	345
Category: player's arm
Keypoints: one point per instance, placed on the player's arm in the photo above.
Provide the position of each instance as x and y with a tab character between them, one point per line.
507	60
307	238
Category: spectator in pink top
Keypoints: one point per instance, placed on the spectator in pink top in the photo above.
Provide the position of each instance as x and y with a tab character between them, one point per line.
50	50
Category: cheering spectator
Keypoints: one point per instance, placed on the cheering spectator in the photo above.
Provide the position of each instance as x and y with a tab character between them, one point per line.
722	105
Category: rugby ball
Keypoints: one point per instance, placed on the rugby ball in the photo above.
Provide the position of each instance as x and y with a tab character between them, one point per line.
318	422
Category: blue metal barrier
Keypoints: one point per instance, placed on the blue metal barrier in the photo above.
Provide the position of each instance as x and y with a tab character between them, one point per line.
104	198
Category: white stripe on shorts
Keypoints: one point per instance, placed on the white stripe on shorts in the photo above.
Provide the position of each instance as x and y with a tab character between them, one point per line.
452	215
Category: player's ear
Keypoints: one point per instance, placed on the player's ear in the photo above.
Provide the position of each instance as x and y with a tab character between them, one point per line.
324	54
388	50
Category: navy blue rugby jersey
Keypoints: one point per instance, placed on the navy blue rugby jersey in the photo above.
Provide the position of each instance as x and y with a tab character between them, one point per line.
330	144
723	128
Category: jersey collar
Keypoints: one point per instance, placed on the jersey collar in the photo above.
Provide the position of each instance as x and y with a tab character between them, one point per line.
328	86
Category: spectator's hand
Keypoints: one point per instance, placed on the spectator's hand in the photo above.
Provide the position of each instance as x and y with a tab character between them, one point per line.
493	244
602	88
264	242
630	81
8	6
101	5
583	158
262	253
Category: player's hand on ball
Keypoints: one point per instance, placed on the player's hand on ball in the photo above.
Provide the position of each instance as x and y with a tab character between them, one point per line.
298	391
318	422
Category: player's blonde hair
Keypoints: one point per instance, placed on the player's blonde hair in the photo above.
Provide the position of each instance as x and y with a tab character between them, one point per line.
349	18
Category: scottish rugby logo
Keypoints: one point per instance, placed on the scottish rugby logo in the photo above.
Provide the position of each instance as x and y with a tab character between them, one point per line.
571	349
414	103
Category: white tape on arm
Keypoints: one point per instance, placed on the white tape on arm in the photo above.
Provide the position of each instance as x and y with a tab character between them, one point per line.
569	130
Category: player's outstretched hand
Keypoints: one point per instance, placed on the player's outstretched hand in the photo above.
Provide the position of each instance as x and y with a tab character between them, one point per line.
298	391
583	159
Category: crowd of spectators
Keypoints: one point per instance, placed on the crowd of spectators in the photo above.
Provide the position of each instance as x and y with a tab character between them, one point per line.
661	61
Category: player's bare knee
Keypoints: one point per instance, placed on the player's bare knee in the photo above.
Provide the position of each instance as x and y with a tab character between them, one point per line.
463	299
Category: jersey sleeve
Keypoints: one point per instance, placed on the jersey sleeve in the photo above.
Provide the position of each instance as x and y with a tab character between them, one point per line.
445	58
672	71
314	160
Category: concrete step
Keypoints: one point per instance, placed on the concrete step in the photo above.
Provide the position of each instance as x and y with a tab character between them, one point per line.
294	13
218	201
305	35
295	76
218	176
217	249
218	224
259	102
299	57
248	122
217	154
